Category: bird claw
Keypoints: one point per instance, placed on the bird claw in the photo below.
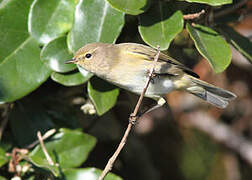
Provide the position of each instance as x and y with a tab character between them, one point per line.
152	76
133	119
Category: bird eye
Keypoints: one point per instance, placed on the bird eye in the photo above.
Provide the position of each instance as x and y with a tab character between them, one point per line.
88	55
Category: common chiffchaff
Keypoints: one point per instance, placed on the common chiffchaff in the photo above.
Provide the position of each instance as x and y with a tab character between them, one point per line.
127	65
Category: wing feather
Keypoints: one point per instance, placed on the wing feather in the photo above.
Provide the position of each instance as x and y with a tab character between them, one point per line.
148	53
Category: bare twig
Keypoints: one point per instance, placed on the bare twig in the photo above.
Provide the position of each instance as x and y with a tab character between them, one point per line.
221	133
5	116
194	15
16	156
45	136
49	159
132	119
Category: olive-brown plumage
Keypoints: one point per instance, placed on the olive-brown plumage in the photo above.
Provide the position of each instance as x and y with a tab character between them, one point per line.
127	64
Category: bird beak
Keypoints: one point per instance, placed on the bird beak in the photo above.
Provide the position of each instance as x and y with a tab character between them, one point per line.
70	61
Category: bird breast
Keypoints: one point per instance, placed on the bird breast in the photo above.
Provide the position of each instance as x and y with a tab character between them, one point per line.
134	77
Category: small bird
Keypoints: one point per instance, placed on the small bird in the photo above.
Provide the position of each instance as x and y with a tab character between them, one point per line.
127	65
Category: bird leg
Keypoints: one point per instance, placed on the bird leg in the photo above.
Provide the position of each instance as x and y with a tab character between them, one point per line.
160	102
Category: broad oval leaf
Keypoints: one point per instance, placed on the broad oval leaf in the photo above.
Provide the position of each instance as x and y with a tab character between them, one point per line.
68	148
87	173
211	46
13	23
240	42
22	71
70	79
132	7
160	24
212	2
55	54
102	94
20	66
49	19
94	21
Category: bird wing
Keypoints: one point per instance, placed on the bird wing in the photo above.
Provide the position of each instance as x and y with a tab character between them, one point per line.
148	53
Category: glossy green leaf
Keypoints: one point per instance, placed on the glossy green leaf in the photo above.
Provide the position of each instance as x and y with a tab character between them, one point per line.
20	66
160	24
87	173
102	94
70	79
94	21
22	71
211	45
68	148
132	7
13	23
3	157
55	54
49	19
26	119
240	42
212	2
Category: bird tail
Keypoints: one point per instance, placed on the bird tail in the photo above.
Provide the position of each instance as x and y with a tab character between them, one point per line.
212	94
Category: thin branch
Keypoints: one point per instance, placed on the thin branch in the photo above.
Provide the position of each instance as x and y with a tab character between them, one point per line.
45	136
151	72
16	156
132	119
194	15
49	159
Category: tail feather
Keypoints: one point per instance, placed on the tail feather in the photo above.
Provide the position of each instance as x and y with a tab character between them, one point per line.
212	94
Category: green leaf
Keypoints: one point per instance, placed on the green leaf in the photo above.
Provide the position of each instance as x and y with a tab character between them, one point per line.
70	79
212	2
102	94
87	173
132	7
94	21
55	54
211	45
49	19
22	71
160	24
241	43
20	66
68	148
26	119
3	157
2	178
13	23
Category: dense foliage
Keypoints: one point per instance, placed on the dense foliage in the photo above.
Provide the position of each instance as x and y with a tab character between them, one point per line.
38	36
